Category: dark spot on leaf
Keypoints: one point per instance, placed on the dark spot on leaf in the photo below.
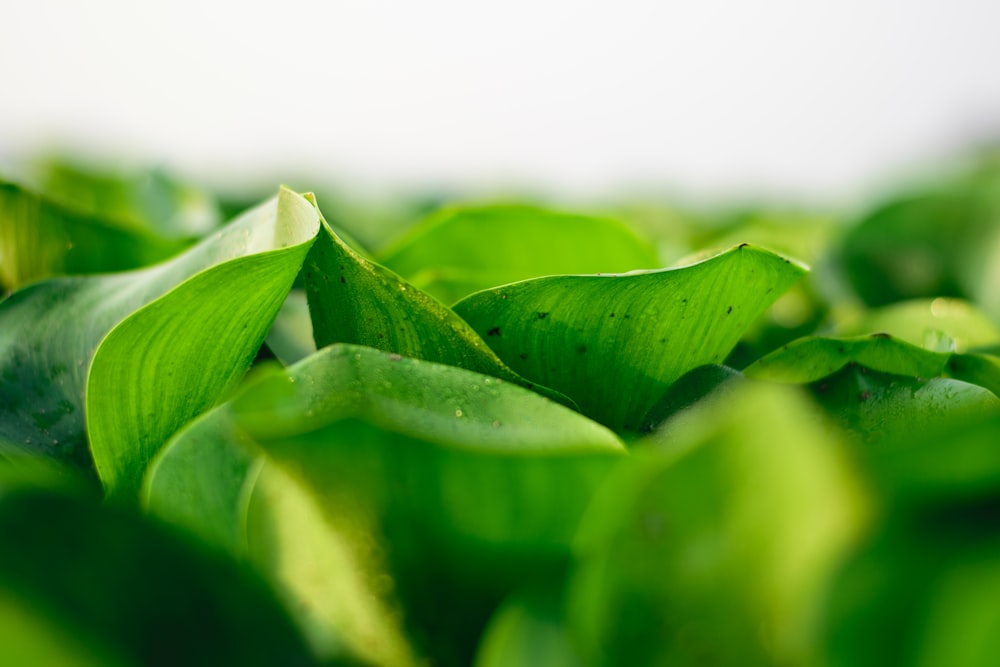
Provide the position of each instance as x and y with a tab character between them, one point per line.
663	340
495	331
729	310
840	349
626	316
581	349
380	335
743	245
342	279
881	335
865	395
611	315
542	316
523	356
769	290
684	300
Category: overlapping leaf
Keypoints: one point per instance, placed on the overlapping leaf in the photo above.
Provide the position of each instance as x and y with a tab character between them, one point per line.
149	349
450	467
354	300
878	385
615	343
811	359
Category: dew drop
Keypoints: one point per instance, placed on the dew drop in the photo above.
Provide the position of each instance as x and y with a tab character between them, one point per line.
458	413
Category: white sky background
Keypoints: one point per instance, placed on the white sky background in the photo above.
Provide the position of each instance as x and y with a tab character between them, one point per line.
816	99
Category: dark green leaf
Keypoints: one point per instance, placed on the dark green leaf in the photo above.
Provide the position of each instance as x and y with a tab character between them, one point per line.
120	590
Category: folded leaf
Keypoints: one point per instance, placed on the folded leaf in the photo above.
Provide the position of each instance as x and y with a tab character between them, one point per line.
615	343
150	349
354	300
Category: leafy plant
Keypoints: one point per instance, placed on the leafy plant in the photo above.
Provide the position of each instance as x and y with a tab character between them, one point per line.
509	436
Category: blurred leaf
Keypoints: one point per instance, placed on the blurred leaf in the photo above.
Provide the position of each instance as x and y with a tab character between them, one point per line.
814	358
354	300
142	199
694	386
615	343
955	463
291	335
39	239
714	544
927	580
95	585
388	466
919	320
529	629
150	349
943	240
461	250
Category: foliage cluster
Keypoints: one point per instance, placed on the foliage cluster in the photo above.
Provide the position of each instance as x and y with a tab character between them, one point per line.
499	434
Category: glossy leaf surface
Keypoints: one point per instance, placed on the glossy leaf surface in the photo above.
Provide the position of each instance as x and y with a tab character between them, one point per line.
616	343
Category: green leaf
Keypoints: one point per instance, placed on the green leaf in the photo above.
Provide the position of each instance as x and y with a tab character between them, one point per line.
814	358
929	579
957	463
937	241
398	467
146	199
713	543
121	590
920	322
354	300
150	349
615	343
40	238
529	629
291	337
461	250
876	386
